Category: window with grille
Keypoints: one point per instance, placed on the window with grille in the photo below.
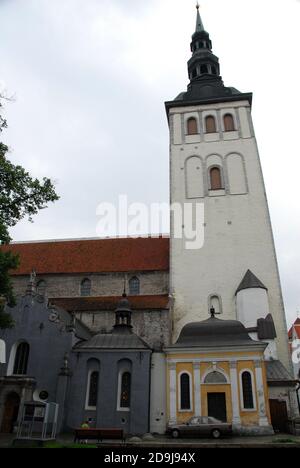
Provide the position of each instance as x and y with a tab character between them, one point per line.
134	286
247	390
210	124
85	288
21	359
228	123
93	389
192	127
215	377
125	390
185	392
215	178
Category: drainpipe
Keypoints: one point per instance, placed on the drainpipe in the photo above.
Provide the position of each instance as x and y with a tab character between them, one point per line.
297	393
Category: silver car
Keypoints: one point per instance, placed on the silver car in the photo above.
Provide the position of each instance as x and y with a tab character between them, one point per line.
200	426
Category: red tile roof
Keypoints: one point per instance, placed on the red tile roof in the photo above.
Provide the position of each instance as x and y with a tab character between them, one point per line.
92	255
297	330
90	304
296	326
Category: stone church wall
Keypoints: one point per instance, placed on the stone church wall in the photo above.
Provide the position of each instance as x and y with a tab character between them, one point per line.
152	326
103	284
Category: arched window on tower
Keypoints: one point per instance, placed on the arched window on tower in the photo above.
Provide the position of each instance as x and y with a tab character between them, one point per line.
134	286
85	287
210	124
21	359
215	178
41	288
215	303
214	70
192	127
228	123
185	392
248	401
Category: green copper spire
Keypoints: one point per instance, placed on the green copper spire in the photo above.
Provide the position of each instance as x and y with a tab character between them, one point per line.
199	24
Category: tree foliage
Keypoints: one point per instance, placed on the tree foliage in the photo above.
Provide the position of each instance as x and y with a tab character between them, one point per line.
21	196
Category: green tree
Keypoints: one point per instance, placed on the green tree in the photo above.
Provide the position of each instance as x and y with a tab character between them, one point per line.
21	196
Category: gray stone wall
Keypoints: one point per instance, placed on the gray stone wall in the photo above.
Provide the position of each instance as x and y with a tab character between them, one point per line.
135	421
153	326
103	284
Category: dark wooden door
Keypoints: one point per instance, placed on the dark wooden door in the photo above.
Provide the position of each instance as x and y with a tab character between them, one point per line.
216	404
279	415
10	414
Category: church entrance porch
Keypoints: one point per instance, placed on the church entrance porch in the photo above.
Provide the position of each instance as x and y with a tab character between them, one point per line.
11	411
13	391
216	405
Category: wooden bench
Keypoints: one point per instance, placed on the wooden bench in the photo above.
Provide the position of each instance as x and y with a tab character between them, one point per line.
99	434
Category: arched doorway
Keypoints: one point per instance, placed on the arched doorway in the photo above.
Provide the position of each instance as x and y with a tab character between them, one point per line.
10	414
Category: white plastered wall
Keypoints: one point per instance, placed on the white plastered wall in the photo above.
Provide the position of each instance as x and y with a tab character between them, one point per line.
238	234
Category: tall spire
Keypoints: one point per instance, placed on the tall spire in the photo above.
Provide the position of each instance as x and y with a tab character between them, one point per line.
203	67
206	82
199	24
123	315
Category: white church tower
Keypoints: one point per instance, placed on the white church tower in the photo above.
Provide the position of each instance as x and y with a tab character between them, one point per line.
214	161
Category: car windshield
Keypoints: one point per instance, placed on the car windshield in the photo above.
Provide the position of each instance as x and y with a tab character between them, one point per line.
194	421
213	420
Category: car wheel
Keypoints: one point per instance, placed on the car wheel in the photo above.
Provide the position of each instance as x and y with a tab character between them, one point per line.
216	434
175	434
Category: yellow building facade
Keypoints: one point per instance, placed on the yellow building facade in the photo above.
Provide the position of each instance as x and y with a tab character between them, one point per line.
216	369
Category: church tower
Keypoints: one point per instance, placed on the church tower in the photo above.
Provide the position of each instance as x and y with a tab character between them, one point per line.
214	162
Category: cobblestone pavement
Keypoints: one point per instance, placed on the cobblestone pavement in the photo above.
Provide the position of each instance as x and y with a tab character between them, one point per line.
278	440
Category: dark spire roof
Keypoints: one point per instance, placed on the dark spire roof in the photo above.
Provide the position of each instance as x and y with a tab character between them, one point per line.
250	281
214	332
123	316
206	83
121	337
199	24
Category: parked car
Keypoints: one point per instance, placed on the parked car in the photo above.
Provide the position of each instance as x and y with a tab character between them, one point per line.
200	426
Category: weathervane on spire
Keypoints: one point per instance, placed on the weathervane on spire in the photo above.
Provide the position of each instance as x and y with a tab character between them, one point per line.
197	5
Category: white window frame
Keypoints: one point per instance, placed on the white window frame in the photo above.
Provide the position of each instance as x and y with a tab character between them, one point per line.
231	112
250	410
187	117
185	410
121	372
87	407
12	357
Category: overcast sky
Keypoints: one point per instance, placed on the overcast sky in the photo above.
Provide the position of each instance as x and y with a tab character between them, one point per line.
90	78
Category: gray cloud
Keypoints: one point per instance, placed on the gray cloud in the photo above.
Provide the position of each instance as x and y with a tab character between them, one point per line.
91	77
